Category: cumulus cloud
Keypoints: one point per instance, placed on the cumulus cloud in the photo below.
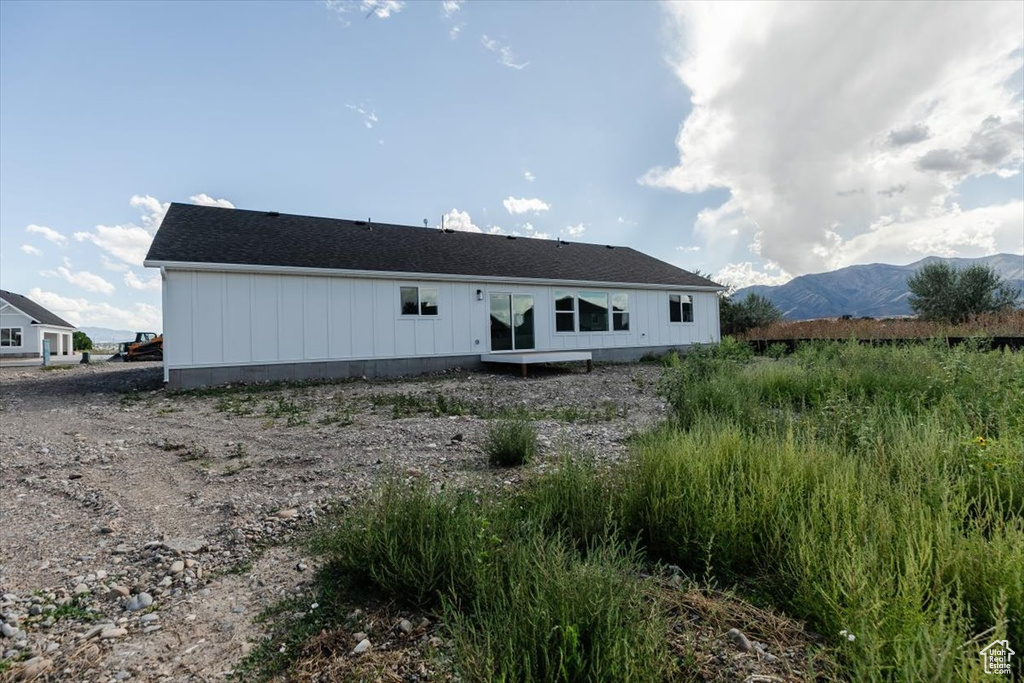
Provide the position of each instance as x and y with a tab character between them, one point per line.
575	231
688	250
745	274
82	278
30	250
135	282
909	134
828	122
451	7
505	55
459	220
203	199
84	312
48	234
518	206
529	177
130	242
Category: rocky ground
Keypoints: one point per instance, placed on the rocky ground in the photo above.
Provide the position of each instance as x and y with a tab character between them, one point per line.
142	531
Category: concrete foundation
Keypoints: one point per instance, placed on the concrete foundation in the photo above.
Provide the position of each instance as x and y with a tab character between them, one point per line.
192	378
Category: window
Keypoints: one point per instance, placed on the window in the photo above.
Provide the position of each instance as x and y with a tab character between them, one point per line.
620	312
565	312
10	336
419	300
593	312
680	308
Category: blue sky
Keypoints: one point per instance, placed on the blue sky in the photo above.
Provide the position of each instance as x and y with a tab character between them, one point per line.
746	141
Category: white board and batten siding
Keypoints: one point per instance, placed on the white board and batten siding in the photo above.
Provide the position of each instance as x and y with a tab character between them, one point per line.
214	319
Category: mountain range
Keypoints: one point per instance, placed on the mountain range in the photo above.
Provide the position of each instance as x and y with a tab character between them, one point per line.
875	290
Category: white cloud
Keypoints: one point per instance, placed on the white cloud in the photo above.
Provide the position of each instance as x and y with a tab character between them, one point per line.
740	275
203	199
460	221
111	265
130	242
153	209
517	206
84	312
576	230
529	177
688	250
126	242
826	119
30	250
382	9
451	7
82	278
48	234
135	282
368	114
495	230
505	55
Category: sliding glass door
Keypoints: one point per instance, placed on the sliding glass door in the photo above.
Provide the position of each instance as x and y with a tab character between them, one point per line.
511	322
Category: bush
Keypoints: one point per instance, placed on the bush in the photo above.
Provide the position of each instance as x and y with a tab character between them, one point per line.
753	310
80	340
511	441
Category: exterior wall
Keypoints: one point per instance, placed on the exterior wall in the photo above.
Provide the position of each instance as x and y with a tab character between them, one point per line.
31	339
216	319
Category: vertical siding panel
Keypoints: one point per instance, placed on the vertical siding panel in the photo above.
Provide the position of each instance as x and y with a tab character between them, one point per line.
340	343
444	341
292	312
178	319
362	319
209	321
265	303
424	331
314	334
385	308
238	328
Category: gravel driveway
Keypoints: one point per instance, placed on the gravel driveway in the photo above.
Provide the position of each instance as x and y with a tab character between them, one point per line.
141	531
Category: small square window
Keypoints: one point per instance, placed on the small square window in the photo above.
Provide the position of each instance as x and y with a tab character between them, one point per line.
680	308
419	300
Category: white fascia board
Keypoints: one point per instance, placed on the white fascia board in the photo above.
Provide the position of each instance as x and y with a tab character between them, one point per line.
392	275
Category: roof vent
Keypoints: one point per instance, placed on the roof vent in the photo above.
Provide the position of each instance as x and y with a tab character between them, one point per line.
510	237
608	246
273	214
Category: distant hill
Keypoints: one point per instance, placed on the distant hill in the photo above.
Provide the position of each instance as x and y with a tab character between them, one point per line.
875	290
105	335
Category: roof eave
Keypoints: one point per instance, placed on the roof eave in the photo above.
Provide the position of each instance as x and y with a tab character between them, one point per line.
396	275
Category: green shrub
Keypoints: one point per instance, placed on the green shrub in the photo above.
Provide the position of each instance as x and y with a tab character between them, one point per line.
543	613
511	441
411	544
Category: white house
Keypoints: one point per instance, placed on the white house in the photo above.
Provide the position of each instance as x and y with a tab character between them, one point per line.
256	296
24	325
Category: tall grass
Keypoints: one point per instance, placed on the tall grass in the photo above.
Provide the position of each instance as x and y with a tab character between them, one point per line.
877	492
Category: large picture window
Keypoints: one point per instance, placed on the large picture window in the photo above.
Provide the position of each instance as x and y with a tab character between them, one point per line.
620	312
680	308
593	311
10	336
419	300
565	312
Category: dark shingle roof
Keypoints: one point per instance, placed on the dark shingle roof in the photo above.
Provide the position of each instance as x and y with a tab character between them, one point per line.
203	234
33	310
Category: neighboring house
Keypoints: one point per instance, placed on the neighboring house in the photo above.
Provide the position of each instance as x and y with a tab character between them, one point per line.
24	325
255	296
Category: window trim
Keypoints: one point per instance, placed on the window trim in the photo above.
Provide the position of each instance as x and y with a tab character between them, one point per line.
21	338
610	293
682	318
419	314
575	309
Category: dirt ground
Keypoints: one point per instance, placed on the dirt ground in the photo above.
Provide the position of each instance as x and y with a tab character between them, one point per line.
142	531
